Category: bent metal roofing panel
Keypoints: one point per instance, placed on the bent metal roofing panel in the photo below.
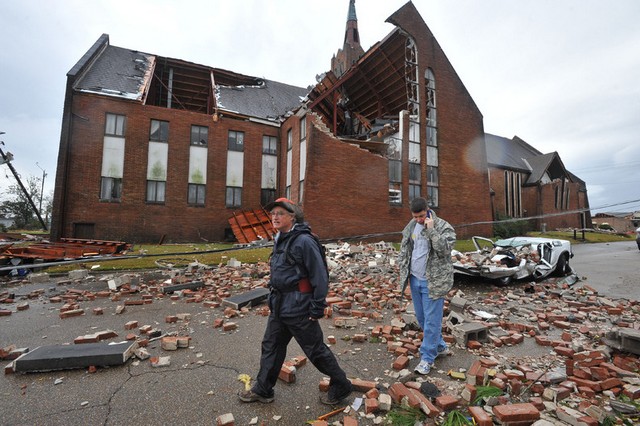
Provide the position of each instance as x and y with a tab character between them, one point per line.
126	74
118	72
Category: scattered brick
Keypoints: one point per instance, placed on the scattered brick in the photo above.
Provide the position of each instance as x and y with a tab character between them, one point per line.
371	405
229	326
447	402
523	412
481	417
131	325
349	421
401	362
71	313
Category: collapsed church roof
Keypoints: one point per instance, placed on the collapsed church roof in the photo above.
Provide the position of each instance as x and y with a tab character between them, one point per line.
154	80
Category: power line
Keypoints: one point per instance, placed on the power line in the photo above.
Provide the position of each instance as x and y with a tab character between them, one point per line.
608	166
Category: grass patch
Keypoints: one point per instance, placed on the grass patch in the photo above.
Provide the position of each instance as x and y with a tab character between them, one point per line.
174	255
404	416
456	418
486	392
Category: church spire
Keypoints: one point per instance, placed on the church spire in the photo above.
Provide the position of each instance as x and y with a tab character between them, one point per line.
351	50
351	35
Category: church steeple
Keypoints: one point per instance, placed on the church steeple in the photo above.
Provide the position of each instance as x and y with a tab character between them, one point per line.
351	50
351	36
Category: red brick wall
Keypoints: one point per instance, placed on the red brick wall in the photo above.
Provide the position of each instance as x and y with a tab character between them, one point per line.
132	219
346	190
548	204
464	185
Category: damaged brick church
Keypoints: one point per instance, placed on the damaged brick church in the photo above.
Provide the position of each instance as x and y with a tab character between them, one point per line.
156	148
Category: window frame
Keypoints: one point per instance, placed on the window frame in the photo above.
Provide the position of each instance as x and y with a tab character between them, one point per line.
154	199
235	140
199	142
119	125
269	140
236	197
162	135
116	185
431	131
200	192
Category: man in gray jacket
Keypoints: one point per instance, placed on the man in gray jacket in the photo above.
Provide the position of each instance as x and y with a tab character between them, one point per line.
425	264
299	284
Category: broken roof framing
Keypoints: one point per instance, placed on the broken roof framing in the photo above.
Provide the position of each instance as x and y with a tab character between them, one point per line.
374	87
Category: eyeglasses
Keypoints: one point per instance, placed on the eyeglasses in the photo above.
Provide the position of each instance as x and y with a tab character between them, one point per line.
280	213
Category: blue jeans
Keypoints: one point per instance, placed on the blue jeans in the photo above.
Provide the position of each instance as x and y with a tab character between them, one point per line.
429	315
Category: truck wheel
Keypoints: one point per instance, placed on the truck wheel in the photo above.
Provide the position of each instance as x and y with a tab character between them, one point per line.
562	267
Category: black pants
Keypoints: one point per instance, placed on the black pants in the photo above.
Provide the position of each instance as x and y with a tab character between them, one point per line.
309	336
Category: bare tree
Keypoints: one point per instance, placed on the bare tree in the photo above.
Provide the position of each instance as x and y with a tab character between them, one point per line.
16	204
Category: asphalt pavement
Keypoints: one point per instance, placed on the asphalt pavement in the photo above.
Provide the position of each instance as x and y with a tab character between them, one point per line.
201	381
613	269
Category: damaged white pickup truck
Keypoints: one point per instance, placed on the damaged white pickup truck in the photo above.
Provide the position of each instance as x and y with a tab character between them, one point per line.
514	258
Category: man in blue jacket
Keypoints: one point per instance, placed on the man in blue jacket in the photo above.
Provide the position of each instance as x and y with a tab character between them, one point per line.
299	284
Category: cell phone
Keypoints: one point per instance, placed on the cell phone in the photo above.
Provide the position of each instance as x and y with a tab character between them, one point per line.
429	213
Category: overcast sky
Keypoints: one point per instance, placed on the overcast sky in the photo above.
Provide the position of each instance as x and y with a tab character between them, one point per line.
560	74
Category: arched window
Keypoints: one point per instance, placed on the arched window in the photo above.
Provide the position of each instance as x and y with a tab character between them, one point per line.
512	194
433	180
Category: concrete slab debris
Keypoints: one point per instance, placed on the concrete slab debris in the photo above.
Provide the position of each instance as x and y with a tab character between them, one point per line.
469	331
66	357
193	285
252	298
625	339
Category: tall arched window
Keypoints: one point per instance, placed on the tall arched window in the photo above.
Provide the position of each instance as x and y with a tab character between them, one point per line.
412	78
433	180
512	194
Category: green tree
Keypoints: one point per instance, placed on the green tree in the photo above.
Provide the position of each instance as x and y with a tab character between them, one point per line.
17	205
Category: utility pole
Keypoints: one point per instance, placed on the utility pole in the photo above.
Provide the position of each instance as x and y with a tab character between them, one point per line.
6	159
44	175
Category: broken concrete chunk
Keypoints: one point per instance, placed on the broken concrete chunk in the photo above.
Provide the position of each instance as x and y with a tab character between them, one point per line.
142	354
225	420
160	361
469	331
345	322
118	282
78	274
42	277
252	297
176	287
63	357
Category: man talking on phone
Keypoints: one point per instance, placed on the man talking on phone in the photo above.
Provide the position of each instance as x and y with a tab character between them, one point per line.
425	264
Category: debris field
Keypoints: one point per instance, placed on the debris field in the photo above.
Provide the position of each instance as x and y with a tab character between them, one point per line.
544	353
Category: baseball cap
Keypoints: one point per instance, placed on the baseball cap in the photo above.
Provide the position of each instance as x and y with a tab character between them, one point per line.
288	205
